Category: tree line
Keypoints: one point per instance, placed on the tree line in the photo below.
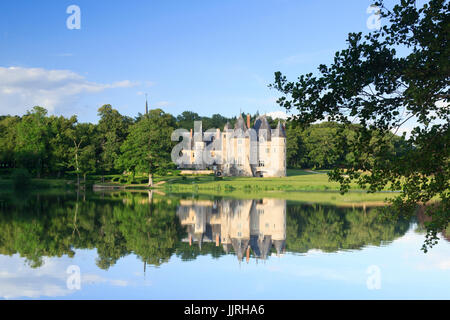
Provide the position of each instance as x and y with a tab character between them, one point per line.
56	146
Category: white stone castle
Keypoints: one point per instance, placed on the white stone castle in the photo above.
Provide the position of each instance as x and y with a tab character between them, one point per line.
243	151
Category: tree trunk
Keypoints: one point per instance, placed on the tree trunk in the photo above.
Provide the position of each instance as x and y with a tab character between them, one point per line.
150	180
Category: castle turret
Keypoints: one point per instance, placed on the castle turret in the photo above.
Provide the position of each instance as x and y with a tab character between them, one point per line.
278	151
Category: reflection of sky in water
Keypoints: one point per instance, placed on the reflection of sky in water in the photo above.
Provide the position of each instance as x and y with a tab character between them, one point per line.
406	273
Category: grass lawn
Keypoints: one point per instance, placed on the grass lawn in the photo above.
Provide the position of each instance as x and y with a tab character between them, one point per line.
300	185
296	180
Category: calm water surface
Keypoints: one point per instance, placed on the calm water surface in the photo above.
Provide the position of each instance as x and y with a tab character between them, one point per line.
144	245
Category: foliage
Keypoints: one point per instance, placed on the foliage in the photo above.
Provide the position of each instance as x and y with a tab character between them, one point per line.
371	84
330	229
148	145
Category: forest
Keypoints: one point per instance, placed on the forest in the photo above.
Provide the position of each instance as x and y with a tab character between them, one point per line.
45	145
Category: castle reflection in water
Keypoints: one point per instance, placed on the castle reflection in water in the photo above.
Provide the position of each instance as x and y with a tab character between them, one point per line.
247	227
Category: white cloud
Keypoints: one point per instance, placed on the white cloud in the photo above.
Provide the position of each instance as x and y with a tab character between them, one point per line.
18	280
22	88
277	115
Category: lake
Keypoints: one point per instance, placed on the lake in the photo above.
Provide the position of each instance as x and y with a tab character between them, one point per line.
151	245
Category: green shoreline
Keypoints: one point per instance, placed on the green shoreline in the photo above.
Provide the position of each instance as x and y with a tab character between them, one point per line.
299	186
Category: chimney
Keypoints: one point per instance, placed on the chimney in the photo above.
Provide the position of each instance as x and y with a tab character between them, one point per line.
217	240
248	121
191	133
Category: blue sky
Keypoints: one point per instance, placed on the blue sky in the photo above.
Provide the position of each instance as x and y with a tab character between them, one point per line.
205	56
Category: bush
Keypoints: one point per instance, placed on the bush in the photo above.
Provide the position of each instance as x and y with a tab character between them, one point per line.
20	178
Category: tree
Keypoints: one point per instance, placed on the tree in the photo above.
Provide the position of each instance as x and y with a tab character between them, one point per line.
321	148
83	151
32	140
60	141
112	129
8	140
369	83
295	149
148	145
186	119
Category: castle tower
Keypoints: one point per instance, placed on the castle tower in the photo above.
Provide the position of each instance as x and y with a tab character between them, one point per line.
278	151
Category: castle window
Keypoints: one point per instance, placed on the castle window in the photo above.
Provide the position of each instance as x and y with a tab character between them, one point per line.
239	141
274	149
261	163
267	150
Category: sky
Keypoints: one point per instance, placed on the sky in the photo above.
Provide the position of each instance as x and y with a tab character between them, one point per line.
207	56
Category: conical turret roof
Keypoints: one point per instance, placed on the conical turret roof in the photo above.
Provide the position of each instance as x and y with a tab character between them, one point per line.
279	131
240	124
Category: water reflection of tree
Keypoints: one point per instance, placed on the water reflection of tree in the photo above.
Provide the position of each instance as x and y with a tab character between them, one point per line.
116	227
423	219
119	224
330	228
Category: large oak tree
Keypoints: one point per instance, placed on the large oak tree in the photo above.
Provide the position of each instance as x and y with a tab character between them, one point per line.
371	84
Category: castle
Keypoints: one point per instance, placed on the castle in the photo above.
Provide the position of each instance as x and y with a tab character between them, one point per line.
239	225
240	151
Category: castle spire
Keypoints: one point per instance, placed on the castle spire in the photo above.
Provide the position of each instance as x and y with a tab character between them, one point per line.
146	105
